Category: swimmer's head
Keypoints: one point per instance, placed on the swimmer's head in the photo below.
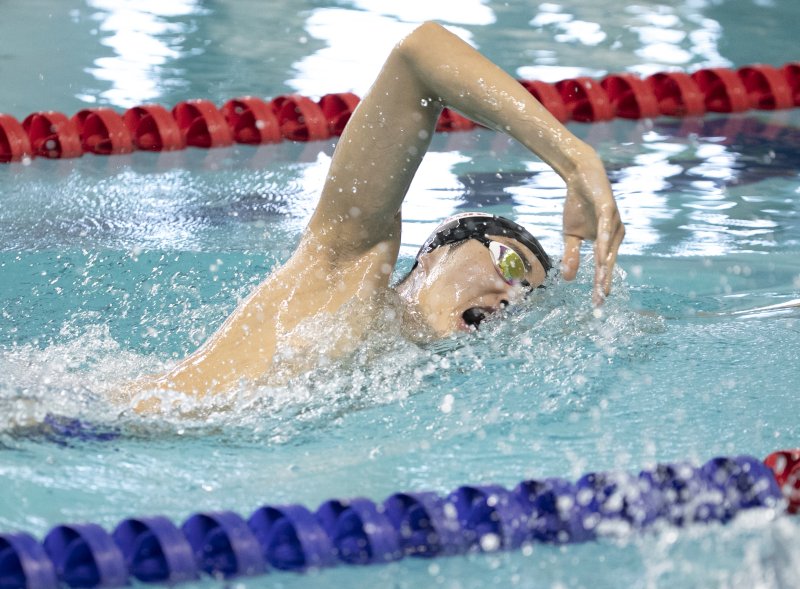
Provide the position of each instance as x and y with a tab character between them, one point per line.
473	265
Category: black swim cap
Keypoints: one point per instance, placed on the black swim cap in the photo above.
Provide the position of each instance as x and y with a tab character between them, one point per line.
478	225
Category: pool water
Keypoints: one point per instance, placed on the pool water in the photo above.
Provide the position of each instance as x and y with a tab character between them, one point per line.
111	268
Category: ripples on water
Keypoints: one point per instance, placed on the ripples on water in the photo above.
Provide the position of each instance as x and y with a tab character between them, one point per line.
167	251
126	54
86	357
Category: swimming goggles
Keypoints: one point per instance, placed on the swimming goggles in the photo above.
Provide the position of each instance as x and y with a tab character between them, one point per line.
508	262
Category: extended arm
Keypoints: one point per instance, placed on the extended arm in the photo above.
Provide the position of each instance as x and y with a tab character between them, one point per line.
389	132
352	239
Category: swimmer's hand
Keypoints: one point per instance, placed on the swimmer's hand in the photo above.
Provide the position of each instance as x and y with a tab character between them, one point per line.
590	212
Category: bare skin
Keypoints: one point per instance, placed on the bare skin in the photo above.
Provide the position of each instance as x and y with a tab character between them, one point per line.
449	281
350	247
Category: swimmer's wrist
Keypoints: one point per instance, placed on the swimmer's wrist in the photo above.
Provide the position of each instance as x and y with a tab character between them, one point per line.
583	156
559	149
578	159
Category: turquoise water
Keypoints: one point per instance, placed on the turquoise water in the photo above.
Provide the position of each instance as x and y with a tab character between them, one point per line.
115	267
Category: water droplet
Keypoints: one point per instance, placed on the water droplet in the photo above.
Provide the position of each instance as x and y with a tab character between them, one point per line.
490	542
446	405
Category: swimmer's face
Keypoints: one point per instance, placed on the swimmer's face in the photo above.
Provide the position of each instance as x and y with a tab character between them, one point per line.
456	286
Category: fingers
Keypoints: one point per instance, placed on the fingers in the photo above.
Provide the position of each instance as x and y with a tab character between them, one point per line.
610	233
611	259
572	256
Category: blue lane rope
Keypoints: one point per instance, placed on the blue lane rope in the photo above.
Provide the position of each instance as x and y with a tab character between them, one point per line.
359	531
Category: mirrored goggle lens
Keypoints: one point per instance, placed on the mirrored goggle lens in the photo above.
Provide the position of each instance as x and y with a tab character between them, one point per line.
508	262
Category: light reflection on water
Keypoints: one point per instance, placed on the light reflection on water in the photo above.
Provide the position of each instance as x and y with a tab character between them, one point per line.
178	49
681	190
147	38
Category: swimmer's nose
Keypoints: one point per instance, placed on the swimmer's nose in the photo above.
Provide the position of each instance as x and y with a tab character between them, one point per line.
473	316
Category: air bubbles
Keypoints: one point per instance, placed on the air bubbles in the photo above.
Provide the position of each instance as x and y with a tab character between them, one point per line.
490	542
739	270
446	406
450	511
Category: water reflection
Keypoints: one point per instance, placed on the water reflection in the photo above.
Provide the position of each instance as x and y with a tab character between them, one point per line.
374	25
711	193
571	30
121	53
465	12
684	188
641	37
145	37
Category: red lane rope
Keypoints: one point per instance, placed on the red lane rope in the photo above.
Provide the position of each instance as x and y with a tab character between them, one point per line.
251	120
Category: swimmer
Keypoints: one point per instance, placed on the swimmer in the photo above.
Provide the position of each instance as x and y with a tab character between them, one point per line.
471	267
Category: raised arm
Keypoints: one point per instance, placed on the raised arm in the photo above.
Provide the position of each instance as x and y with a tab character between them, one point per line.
389	132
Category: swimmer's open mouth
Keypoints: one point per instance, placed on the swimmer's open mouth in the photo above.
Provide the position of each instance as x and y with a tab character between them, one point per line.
474	316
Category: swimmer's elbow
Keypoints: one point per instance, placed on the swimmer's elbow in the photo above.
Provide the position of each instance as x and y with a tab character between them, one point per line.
423	39
428	28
